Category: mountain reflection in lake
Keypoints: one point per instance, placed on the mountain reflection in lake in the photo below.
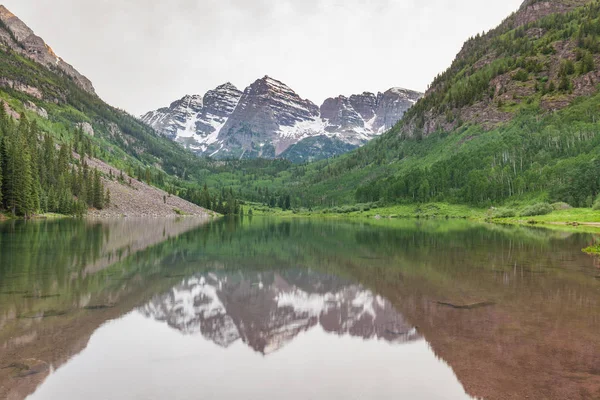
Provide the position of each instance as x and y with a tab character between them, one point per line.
267	308
311	336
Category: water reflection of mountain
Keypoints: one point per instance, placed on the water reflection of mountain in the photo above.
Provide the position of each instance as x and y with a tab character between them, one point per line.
267	310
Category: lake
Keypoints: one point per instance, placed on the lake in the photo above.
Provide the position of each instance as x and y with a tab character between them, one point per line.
260	308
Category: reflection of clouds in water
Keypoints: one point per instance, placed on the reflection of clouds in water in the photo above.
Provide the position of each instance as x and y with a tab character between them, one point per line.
267	311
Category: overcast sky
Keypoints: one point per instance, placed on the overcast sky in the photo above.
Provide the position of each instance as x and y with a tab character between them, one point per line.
144	54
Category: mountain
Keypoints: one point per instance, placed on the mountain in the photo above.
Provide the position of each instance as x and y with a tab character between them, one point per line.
268	310
37	86
196	120
21	39
268	119
513	120
509	66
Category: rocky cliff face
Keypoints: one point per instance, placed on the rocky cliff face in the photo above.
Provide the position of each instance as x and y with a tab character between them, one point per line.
21	39
270	115
391	107
270	120
532	10
196	121
268	310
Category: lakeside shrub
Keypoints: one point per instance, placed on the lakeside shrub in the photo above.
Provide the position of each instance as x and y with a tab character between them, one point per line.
505	213
561	206
350	209
596	206
537	209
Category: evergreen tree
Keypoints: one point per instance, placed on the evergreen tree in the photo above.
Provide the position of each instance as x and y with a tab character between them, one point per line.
565	84
9	172
205	198
98	191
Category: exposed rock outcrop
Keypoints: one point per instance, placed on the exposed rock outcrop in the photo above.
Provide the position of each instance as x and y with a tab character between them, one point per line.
31	106
532	10
9	111
21	87
86	127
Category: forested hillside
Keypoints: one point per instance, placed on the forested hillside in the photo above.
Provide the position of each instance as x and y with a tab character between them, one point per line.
514	118
48	107
38	177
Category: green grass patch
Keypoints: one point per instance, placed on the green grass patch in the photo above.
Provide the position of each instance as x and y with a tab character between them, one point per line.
578	215
430	210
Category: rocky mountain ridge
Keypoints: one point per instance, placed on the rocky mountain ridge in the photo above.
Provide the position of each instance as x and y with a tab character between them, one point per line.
268	119
17	36
533	10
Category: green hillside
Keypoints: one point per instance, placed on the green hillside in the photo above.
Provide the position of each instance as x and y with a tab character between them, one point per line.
118	139
514	119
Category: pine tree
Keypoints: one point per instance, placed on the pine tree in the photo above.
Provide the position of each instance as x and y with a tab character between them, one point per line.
98	191
24	202
220	206
48	164
587	63
32	145
9	168
565	84
205	198
0	171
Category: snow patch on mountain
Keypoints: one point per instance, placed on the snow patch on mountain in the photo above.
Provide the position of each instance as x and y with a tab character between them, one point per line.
303	129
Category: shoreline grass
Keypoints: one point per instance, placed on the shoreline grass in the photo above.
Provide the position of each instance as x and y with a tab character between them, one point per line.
570	218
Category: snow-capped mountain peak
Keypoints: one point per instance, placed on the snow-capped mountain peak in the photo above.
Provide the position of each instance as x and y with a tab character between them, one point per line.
268	119
196	120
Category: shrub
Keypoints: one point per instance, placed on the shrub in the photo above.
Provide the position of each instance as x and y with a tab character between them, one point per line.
596	206
521	76
505	213
561	206
593	249
537	209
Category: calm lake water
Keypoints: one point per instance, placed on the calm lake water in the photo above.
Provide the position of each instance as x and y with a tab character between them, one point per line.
296	309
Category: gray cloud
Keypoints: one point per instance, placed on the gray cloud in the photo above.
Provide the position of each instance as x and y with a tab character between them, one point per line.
142	54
